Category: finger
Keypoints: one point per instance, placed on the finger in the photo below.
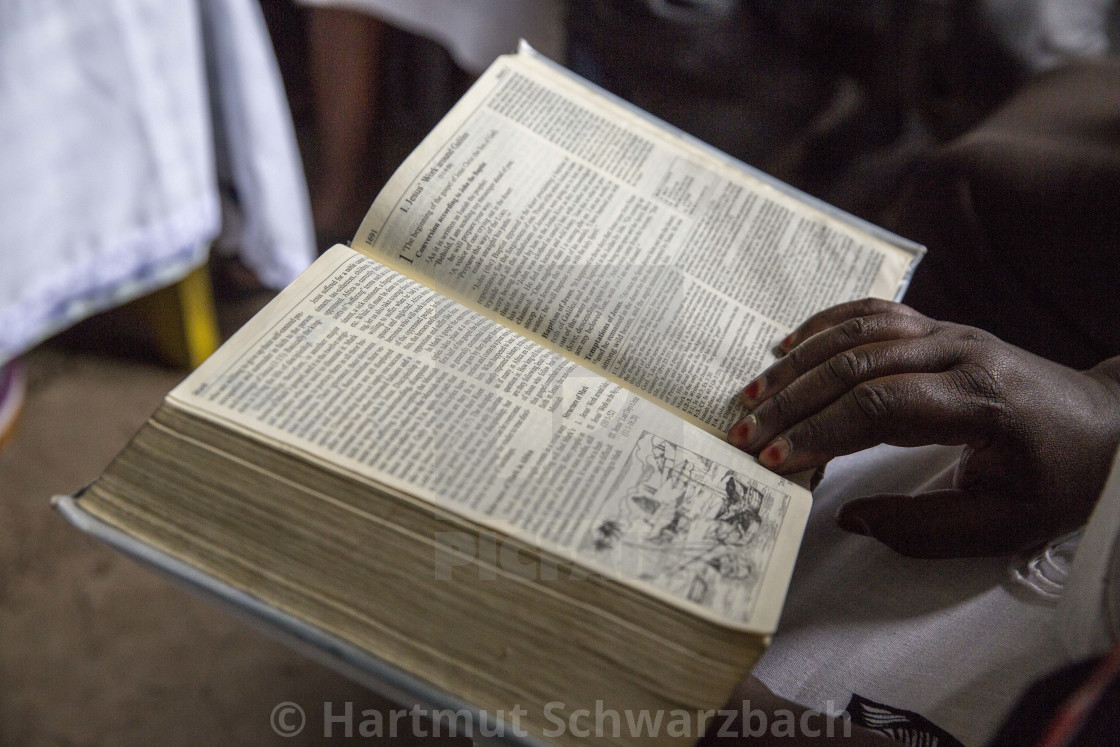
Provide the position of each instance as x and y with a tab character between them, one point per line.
834	315
903	410
945	523
816	389
818	475
816	350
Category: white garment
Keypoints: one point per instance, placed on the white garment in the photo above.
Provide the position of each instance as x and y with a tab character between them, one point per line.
108	180
956	641
256	144
475	32
1045	33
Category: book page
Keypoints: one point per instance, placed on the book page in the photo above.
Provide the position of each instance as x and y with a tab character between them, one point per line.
359	368
560	213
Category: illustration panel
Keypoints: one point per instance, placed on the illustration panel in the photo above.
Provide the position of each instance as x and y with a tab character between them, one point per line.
688	525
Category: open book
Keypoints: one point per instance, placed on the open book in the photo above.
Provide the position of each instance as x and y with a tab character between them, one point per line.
483	448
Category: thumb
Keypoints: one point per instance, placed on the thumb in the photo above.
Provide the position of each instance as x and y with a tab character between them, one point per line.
942	523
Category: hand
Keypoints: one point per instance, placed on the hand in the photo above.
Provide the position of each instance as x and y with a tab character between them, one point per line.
1038	437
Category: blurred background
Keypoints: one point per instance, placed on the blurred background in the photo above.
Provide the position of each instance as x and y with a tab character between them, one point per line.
167	165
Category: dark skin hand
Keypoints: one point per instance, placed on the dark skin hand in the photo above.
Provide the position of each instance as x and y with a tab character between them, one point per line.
1039	437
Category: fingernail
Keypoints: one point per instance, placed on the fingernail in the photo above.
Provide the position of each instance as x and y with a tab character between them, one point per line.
786	343
740	434
775	454
853	522
752	391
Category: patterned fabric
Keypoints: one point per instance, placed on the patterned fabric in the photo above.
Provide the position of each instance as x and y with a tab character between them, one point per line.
904	727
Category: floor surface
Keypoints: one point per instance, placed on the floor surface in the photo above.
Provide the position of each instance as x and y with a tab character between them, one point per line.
94	649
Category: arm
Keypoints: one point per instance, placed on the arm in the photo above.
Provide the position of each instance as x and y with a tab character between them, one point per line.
1038	437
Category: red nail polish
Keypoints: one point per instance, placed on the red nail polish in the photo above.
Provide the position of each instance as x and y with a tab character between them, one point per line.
740	434
753	389
787	342
775	454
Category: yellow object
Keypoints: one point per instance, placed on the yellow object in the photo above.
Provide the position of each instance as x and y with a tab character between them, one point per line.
184	319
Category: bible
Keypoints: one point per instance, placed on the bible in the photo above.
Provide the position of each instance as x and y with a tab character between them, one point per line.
476	459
